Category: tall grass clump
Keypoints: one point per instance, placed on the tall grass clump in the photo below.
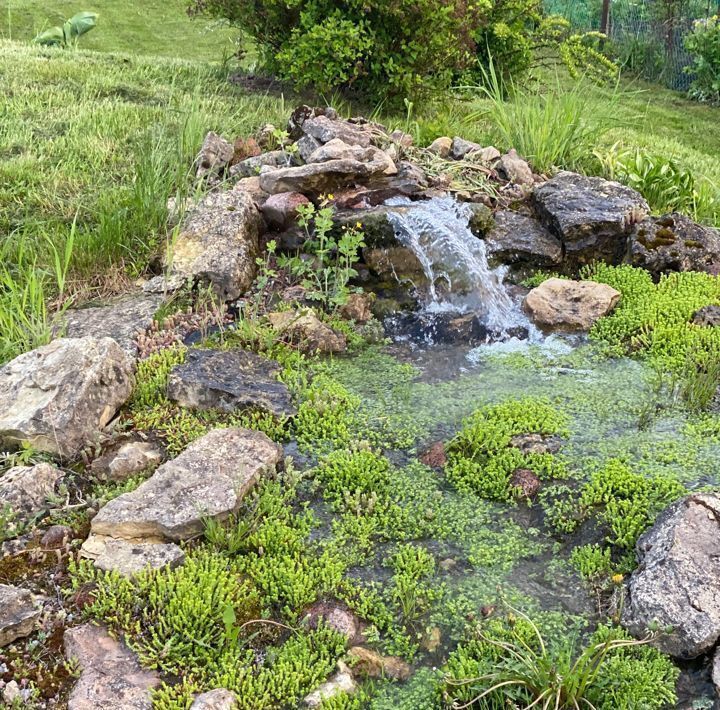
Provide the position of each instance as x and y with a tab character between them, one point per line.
551	126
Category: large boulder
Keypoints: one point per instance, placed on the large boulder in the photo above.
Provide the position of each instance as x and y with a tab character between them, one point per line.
25	489
218	243
122	320
674	242
229	380
591	216
561	304
111	676
19	613
518	239
208	480
58	397
676	586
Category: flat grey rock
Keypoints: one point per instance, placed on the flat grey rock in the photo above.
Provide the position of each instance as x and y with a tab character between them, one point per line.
208	480
19	612
677	582
229	380
127	460
130	558
111	676
58	397
219	699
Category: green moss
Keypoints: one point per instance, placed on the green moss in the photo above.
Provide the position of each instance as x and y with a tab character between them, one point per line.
592	561
480	458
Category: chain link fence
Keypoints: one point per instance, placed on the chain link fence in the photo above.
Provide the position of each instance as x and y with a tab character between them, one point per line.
647	35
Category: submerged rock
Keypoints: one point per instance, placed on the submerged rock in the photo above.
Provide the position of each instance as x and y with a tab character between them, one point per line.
371	664
208	480
304	329
122	320
111	675
562	304
219	699
19	612
591	216
58	397
218	243
676	585
334	615
26	489
518	239
435	456
229	380
674	242
525	482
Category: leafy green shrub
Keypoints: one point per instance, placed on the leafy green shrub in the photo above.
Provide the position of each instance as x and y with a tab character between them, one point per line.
480	458
68	34
704	44
509	662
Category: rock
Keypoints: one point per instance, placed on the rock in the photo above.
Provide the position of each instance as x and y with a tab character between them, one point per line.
334	615
515	169
371	664
674	242
215	155
121	320
441	146
484	155
281	211
337	150
253	166
536	443
708	316
26	489
410	181
163	284
459	148
525	482
19	612
325	129
358	308
518	239
304	329
111	675
435	456
570	305
716	672
676	584
218	243
229	380
130	558
404	140
341	682
219	699
56	537
399	263
129	459
208	480
482	219
58	397
591	216
11	693
251	185
306	146
266	136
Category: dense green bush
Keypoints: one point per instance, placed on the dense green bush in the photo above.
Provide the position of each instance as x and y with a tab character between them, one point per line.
704	44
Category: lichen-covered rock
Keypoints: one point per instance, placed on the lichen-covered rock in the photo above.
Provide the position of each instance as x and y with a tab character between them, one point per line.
111	675
19	612
229	380
591	216
215	155
562	304
122	320
219	699
674	242
676	585
58	397
218	243
26	489
517	239
341	682
208	480
126	460
304	329
130	558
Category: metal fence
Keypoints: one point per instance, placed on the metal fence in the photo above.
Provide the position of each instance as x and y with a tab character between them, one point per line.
647	35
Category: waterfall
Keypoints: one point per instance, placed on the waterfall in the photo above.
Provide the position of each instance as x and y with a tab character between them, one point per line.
455	262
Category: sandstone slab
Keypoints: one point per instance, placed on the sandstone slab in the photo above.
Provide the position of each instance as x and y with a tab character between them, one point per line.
562	304
111	676
218	243
19	613
229	380
676	585
58	397
208	480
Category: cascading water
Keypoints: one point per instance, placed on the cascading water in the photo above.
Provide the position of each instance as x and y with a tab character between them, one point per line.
455	263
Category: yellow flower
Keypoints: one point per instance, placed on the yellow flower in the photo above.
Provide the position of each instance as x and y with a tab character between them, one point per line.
358	225
331	197
617	578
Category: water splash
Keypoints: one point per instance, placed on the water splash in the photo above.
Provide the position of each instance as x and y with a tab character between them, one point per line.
455	263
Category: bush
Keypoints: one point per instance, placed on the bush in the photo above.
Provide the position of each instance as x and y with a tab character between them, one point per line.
704	44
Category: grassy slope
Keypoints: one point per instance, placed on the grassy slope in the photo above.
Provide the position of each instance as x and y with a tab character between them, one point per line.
159	27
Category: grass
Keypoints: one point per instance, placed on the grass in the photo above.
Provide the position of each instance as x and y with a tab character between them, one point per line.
150	27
